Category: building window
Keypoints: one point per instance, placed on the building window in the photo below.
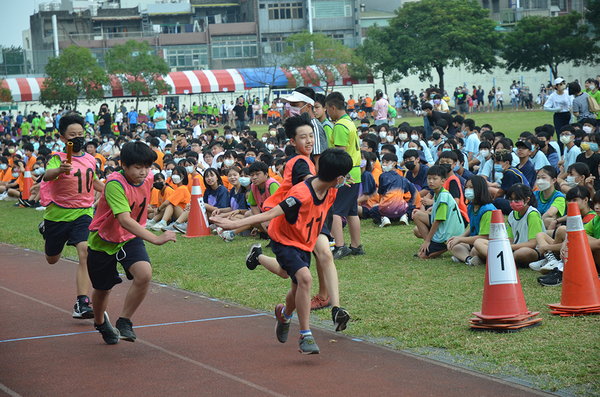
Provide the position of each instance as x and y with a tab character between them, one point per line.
234	49
331	9
485	4
495	6
285	11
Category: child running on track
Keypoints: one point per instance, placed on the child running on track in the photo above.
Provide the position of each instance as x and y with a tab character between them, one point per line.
117	231
68	194
293	238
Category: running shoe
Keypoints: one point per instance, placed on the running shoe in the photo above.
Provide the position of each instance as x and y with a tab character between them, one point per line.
282	328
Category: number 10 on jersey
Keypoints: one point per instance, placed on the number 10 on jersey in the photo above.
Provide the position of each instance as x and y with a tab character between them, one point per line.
501	263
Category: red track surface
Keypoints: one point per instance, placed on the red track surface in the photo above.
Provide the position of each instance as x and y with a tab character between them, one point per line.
220	350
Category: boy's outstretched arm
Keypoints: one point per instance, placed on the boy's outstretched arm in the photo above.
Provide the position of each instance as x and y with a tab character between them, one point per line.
129	224
227	224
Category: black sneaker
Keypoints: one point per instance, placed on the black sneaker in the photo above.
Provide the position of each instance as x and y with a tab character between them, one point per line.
252	257
340	318
282	329
82	308
551	279
24	203
125	327
358	250
307	345
109	333
341	252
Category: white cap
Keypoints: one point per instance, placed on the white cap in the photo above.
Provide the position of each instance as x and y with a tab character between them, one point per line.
298	97
558	80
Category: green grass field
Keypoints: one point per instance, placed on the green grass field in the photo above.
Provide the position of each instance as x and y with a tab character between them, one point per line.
394	298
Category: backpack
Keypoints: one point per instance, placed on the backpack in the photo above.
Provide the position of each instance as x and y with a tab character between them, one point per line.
593	105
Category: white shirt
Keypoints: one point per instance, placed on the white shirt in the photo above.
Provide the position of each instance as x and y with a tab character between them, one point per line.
196	132
499	95
119	117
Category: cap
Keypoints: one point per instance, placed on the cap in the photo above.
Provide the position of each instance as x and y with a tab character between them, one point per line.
159	105
558	80
526	144
298	97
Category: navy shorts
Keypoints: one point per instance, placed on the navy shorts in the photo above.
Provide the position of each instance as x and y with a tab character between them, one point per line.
57	234
291	259
102	267
436	247
346	201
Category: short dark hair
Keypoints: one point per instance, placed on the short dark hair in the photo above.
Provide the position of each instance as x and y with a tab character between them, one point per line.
578	192
258	166
469	123
449	154
137	153
411	153
437	170
389	157
154	142
503	155
292	124
67	120
427	106
334	163
336	99
320	98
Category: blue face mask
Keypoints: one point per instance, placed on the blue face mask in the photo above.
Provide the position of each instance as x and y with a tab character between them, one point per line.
456	167
446	150
498	168
250	159
593	147
340	185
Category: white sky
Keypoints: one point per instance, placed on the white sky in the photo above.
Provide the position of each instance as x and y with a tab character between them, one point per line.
15	19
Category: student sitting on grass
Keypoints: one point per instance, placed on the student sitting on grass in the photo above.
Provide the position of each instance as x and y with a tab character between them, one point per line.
160	193
262	188
480	215
523	224
14	186
445	220
177	202
550	200
238	206
368	184
549	245
293	238
510	177
397	196
578	174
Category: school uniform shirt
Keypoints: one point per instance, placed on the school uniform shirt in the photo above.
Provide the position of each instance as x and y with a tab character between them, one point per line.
472	143
512	176
237	201
570	155
592	227
180	197
157	197
397	195
557	200
539	160
419	181
191	182
522	229
552	156
446	210
368	186
529	171
217	198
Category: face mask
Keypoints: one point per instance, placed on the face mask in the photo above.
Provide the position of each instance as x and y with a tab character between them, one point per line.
571	181
176	179
177	160
389	138
271	147
228	163
587	129
498	168
436	101
585	145
436	136
154	172
410	165
565	139
456	167
414	137
77	143
169	173
15	174
364	125
382	134
446	150
363	163
272	132
228	136
484	153
189	169
105	140
37	171
387	168
295	111
166	151
543	184
592	87
264	138
159	185
541	145
341	184
244	181
469	194
448	167
403	136
3	167
593	147
250	159
517	205
219	164
11	151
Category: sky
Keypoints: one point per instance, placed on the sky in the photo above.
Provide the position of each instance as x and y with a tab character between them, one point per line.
16	20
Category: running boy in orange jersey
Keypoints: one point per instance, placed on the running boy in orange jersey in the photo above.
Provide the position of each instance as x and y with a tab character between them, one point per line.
293	238
68	195
116	235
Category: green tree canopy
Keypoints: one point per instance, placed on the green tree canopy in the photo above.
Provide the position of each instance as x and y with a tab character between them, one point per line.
73	75
592	15
138	68
373	57
435	34
5	94
306	49
542	43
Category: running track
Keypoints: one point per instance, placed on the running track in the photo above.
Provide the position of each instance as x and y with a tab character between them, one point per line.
191	345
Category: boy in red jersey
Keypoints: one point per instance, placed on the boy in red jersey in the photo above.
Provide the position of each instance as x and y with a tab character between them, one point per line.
296	223
116	235
68	195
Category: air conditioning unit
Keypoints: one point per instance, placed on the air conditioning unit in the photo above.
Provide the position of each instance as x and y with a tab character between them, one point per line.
267	49
196	62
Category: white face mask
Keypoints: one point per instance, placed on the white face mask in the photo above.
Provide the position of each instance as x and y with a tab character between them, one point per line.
402	136
244	181
587	129
3	167
264	138
154	172
228	163
571	181
189	169
382	134
469	194
484	153
389	138
565	139
387	168
543	184
228	136
169	173
414	137
176	179
271	147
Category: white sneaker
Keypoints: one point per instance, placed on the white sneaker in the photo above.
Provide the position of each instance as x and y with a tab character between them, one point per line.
385	221
537	265
548	267
150	223
404	220
40	209
455	259
158	227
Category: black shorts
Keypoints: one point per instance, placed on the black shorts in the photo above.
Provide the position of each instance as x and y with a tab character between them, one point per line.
102	267
57	234
436	247
291	259
346	201
325	231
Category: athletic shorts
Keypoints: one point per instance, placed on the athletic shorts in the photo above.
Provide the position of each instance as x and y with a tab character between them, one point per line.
346	201
102	267
291	259
57	234
435	247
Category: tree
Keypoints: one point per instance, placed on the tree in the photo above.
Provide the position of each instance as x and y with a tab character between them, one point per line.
73	75
306	49
538	43
5	94
373	57
435	34
592	14
138	68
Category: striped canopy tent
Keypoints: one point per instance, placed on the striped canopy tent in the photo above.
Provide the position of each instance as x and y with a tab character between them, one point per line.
24	89
320	76
200	81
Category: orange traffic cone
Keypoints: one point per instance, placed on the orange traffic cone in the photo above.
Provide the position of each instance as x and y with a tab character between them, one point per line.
27	184
503	307
197	225
580	286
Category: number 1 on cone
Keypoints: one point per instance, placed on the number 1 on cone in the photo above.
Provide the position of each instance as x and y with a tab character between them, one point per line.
501	264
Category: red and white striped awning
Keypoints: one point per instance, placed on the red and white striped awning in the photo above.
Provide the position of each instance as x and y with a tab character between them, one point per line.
319	76
199	81
24	89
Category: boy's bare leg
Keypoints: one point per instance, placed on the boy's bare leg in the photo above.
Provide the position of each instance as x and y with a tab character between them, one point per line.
142	275
82	279
421	219
302	297
100	299
354	228
337	231
272	265
326	271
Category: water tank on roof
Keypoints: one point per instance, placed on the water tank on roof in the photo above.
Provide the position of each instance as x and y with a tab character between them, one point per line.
55	6
44	6
94	9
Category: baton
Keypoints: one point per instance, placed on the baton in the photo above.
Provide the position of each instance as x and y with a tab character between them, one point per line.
69	155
